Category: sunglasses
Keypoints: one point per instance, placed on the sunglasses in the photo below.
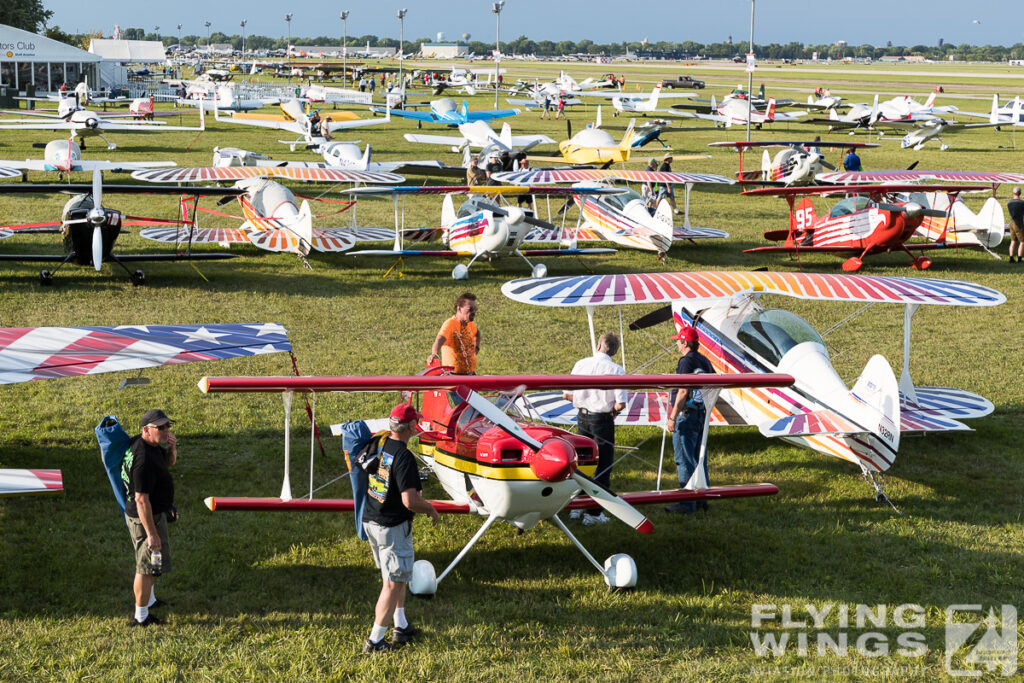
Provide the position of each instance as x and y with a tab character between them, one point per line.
161	427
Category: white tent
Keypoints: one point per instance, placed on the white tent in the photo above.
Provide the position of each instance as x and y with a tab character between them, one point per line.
27	58
129	51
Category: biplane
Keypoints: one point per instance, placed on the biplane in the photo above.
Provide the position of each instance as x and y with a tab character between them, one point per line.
495	463
797	163
739	333
875	219
623	218
479	228
89	230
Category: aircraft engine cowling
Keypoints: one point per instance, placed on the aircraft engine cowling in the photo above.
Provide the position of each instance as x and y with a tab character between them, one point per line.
92	123
555	461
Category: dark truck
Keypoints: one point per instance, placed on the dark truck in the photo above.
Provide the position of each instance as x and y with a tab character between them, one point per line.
683	82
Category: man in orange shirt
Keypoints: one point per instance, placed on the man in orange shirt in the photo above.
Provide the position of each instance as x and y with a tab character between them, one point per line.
458	341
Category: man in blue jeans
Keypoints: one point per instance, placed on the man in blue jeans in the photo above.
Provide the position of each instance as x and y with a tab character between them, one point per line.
687	414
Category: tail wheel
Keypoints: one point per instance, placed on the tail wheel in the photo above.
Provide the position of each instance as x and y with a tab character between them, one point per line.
852	265
45	278
922	263
138	278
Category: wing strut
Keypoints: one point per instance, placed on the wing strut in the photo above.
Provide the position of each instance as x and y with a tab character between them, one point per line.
906	384
286	485
590	324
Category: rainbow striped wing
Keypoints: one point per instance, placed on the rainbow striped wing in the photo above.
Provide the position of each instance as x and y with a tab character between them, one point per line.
333	239
196	235
549	236
650	288
313	175
596	175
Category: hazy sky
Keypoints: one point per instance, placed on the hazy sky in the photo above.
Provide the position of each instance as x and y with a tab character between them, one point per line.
781	21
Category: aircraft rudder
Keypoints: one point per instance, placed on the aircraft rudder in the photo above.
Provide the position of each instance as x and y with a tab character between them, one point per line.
875	401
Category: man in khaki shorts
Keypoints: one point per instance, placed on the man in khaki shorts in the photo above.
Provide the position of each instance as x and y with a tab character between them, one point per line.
394	496
149	505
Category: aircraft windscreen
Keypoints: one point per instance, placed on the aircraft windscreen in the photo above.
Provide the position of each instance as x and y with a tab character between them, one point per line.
619	201
848	206
468	208
771	333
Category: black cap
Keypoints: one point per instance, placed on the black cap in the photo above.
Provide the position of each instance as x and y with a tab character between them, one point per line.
155	417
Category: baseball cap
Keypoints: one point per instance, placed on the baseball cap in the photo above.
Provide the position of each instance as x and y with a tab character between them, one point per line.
686	333
404	413
154	417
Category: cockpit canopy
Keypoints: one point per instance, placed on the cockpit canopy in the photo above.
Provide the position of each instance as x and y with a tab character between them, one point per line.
771	333
848	206
619	201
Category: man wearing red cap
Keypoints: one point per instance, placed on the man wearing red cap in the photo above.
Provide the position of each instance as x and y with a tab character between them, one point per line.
687	414
394	496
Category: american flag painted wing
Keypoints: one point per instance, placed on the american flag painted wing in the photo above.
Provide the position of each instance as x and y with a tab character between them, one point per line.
584	175
29	482
31	353
9	172
315	175
851	177
196	235
643	408
651	288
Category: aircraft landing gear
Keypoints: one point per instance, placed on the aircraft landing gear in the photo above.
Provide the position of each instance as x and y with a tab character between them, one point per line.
45	278
620	572
460	272
138	278
852	265
922	263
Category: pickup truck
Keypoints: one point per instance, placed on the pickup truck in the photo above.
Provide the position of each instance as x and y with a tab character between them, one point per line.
683	82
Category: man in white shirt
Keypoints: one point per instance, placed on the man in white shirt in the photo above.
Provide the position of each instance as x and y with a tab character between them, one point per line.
596	410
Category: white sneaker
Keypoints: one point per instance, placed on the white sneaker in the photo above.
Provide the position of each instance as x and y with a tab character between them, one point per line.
575	514
590	520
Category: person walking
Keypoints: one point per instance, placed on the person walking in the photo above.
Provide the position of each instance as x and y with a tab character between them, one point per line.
394	496
687	413
1015	207
458	341
670	195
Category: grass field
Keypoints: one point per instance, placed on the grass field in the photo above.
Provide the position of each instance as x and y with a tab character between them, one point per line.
290	596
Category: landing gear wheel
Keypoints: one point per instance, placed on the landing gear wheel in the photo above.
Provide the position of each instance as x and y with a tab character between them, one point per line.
540	270
424	579
852	265
620	572
922	263
45	278
138	278
460	272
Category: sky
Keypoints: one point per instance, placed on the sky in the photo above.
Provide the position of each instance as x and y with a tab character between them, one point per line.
779	21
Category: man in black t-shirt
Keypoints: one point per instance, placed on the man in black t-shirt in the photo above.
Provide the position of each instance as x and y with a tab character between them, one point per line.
1015	207
394	495
686	414
150	500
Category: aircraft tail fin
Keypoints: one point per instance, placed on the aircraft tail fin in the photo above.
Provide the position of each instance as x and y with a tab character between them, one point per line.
760	91
465	111
303	228
714	105
447	211
801	219
769	113
993	116
654	96
366	158
930	101
627	138
874	111
506	135
766	166
597	121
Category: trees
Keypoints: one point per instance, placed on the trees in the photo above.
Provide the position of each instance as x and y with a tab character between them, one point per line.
28	15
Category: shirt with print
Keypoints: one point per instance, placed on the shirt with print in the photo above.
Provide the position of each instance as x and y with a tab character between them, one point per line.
145	471
397	472
459	350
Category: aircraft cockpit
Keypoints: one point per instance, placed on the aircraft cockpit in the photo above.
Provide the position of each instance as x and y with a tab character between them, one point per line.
848	206
619	201
773	332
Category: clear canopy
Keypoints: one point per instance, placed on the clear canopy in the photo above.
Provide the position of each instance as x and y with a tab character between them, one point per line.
771	333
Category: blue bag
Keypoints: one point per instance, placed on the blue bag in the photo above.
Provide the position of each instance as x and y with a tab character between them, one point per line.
355	436
114	442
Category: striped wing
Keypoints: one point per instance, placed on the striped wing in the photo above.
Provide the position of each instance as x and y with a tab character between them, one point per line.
333	239
196	235
643	408
856	177
692	233
315	175
9	172
582	175
29	482
649	288
945	402
549	236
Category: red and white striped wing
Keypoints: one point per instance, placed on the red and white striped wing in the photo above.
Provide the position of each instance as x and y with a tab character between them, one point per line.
583	175
196	235
314	175
856	177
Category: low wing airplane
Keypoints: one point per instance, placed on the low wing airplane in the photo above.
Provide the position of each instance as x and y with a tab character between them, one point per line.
274	220
89	230
342	155
739	334
736	111
34	353
82	123
624	218
497	465
480	228
327	95
478	134
64	156
444	111
300	124
639	104
872	219
225	97
593	145
798	163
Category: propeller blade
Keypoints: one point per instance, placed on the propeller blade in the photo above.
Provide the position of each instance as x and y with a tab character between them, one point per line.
568	128
225	200
97	248
499	418
537	222
97	188
828	165
913	165
661	315
614	505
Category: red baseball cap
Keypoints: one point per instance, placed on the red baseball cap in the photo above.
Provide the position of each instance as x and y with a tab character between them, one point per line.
686	333
404	413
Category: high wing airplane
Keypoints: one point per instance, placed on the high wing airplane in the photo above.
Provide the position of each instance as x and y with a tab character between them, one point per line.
736	111
497	465
82	123
323	94
623	218
798	163
89	230
875	219
478	134
64	156
34	353
738	333
444	111
480	228
274	220
300	124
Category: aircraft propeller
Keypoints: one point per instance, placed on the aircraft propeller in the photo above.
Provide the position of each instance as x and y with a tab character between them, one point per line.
555	460
516	215
911	209
97	216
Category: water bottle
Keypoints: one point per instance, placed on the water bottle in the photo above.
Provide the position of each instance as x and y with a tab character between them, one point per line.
156	562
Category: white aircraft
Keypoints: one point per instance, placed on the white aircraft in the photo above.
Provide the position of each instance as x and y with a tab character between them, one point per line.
1007	114
300	124
338	154
480	134
735	110
82	123
225	97
65	156
639	104
323	94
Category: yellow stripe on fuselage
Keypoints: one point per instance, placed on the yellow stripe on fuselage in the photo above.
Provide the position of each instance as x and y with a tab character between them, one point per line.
486	470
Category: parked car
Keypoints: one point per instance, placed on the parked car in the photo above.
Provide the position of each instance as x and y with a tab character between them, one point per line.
683	82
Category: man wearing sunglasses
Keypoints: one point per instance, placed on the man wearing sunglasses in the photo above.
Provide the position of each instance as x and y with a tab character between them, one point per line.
150	506
458	341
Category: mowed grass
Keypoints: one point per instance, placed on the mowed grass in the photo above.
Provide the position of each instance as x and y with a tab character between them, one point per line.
277	596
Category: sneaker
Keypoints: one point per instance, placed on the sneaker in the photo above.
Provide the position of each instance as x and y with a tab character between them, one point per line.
160	603
404	635
680	508
369	647
148	621
590	520
575	514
